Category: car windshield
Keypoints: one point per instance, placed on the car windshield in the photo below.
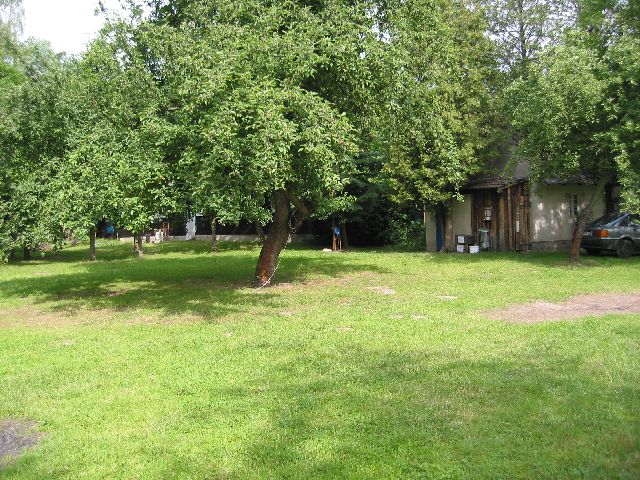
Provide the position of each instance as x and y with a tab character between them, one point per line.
611	219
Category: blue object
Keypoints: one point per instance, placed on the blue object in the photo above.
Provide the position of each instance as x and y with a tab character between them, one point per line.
336	231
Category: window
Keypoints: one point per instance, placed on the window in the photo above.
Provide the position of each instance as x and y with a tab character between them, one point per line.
572	202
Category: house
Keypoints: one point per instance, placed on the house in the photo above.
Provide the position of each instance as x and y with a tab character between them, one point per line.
512	214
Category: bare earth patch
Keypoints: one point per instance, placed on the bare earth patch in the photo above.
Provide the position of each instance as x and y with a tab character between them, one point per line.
324	282
448	298
16	436
576	307
33	316
383	290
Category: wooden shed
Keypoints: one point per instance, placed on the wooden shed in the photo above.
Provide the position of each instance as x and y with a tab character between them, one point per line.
500	212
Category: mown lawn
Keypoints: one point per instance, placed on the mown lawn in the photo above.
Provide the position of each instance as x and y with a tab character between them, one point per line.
173	367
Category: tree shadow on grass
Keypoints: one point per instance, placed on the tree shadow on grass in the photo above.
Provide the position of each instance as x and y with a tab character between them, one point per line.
198	284
411	417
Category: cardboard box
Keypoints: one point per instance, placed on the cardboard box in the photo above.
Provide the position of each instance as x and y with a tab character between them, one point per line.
462	248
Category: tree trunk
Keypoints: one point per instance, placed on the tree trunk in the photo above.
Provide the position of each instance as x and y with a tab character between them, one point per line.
12	254
92	244
260	231
26	253
138	245
448	234
276	239
214	235
345	237
583	216
426	230
522	34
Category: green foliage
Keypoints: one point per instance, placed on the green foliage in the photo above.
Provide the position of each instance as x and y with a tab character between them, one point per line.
439	113
406	231
252	114
555	108
622	106
115	167
32	144
11	19
522	29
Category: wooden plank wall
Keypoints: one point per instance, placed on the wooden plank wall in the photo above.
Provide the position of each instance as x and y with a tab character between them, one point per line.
510	212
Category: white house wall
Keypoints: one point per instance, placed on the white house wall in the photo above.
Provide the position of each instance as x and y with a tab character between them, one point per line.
460	214
430	231
461	217
552	221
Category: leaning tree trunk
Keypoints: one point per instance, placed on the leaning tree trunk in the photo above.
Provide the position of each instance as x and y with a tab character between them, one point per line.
583	217
214	235
92	244
276	239
138	245
26	253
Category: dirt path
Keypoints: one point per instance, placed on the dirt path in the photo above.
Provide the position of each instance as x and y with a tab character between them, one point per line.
576	307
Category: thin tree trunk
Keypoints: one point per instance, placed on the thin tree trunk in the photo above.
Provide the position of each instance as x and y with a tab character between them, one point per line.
334	239
522	34
345	237
12	254
138	245
214	235
276	239
92	244
26	253
583	216
448	234
260	231
426	231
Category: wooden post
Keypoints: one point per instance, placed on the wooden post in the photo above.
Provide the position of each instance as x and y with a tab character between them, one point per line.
495	244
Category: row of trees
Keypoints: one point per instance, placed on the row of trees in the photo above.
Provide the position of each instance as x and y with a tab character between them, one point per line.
267	110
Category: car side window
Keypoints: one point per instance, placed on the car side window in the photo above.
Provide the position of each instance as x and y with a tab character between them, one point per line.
623	222
634	220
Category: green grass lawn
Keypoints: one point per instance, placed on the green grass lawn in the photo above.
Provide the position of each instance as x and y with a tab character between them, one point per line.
174	367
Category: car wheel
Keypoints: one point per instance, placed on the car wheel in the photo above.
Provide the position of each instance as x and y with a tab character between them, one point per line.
593	251
624	248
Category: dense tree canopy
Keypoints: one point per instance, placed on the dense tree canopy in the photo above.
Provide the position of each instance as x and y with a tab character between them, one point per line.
439	113
265	111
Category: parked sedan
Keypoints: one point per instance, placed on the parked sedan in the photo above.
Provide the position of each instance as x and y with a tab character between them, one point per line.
618	232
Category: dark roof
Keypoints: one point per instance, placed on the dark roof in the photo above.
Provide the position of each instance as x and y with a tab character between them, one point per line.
572	180
495	182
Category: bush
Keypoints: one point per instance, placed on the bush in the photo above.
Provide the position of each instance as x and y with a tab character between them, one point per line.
405	231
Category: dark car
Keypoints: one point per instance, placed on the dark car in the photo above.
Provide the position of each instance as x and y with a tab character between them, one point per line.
617	232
